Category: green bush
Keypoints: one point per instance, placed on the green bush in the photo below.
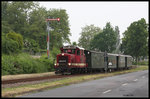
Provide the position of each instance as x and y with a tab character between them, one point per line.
48	62
31	45
10	45
55	51
141	63
16	37
29	64
22	64
7	64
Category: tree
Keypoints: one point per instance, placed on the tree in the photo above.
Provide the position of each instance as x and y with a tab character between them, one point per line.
60	30
4	9
74	43
106	40
29	19
135	40
15	15
37	26
87	34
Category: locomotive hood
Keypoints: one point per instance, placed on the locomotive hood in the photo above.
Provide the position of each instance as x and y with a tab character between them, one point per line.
69	57
65	54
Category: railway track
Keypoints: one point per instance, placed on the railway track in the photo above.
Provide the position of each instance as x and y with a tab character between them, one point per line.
30	79
4	82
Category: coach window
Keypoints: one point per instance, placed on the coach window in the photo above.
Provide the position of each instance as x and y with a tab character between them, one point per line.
78	52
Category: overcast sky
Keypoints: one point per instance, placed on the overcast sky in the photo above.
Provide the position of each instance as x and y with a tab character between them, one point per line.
120	14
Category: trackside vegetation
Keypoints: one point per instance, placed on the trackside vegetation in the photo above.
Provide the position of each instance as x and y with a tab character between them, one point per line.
23	63
24	34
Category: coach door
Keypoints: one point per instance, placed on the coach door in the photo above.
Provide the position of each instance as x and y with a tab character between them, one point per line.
118	62
125	62
88	57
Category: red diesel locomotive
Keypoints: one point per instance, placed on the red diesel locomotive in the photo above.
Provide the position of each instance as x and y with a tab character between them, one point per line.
77	60
72	59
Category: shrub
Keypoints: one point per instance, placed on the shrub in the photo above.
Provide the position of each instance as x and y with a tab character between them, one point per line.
141	63
22	64
11	43
55	51
9	46
8	64
31	45
48	62
29	64
16	37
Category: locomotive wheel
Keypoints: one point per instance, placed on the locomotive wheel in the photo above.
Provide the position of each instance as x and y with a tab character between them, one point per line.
62	73
72	71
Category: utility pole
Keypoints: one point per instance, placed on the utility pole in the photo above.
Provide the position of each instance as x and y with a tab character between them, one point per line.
48	29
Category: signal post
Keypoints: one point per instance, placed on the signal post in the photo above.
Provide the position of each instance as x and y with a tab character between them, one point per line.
48	29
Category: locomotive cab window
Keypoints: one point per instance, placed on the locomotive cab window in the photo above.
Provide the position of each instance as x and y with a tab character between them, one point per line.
69	51
78	52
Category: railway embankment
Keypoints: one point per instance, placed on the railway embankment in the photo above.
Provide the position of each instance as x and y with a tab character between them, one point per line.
23	89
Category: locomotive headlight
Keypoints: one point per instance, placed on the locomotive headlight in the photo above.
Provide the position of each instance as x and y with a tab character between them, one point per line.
69	64
55	64
62	54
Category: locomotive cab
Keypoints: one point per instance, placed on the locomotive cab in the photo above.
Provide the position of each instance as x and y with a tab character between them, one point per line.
70	58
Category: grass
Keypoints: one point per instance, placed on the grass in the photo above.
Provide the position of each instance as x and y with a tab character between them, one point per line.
12	92
12	77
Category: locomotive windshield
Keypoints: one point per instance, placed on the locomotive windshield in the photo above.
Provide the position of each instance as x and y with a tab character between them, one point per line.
69	51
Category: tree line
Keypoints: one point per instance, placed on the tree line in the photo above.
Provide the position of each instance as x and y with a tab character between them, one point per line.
95	38
28	20
134	42
24	27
